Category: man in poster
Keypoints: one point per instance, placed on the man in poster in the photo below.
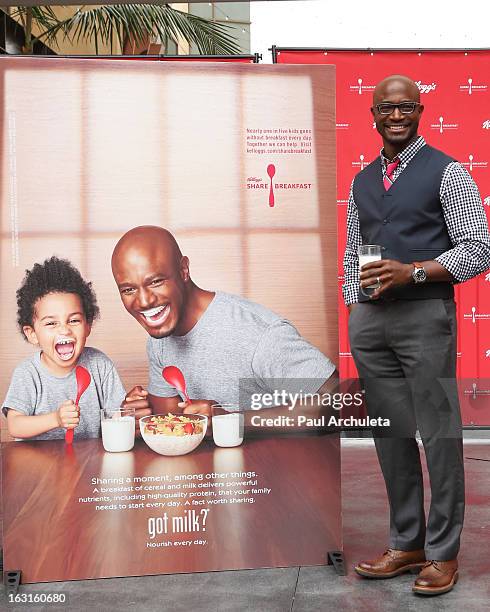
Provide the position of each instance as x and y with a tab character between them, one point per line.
216	339
424	210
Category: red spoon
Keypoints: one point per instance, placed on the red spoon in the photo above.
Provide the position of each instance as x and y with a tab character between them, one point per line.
176	379
271	170
83	381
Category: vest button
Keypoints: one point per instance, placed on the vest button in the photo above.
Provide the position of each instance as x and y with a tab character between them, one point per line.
385	221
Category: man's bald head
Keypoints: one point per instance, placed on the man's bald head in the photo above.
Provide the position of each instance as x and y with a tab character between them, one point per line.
395	82
153	278
147	238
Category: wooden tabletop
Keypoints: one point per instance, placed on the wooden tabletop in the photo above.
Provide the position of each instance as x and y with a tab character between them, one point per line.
278	506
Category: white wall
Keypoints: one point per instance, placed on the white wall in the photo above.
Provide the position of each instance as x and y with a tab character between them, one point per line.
362	23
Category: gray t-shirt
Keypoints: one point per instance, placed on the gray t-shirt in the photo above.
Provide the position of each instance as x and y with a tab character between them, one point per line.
35	390
238	348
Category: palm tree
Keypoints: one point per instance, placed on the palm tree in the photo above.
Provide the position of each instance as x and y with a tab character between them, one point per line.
124	23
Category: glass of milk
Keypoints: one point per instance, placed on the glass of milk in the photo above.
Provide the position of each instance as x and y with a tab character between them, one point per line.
118	427
227	425
368	253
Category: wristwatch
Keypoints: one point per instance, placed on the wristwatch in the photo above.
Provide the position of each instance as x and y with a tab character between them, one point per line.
419	274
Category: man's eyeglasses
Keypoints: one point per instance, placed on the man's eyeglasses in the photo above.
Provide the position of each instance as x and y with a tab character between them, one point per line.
405	108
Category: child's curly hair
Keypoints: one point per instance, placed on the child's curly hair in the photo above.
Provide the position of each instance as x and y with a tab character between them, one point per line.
53	276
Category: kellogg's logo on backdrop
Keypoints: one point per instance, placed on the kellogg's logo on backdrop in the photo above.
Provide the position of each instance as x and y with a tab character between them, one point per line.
471	164
475	316
342	126
487	353
426	87
486	124
474	391
361	164
487	277
441	126
360	88
472	88
486	201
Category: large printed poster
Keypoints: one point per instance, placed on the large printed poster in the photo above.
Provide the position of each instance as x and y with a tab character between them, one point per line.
237	162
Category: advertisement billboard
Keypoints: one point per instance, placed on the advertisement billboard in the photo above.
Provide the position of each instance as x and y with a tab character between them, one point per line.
238	164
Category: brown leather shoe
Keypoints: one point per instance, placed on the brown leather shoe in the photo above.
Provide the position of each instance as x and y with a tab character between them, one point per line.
436	577
392	563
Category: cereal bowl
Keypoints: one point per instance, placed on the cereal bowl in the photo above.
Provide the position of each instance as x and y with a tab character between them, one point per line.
173	435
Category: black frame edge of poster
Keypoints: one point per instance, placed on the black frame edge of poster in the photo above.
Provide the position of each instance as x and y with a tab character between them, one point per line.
336	558
256	57
11	581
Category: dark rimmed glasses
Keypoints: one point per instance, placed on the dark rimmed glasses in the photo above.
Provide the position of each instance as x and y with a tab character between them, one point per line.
405	108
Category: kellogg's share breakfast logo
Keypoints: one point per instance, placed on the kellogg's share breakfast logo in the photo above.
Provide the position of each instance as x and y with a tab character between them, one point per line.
441	126
426	87
487	353
486	201
361	87
470	87
487	278
486	124
475	316
362	163
272	187
474	391
342	126
473	164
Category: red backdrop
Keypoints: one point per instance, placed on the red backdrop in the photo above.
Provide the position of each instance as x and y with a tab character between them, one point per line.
455	88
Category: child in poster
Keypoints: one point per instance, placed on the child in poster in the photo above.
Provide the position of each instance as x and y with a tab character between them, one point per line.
56	310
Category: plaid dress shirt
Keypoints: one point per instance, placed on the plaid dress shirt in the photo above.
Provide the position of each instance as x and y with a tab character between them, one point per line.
463	213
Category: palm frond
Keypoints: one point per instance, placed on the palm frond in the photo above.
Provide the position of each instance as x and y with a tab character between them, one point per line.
104	24
43	15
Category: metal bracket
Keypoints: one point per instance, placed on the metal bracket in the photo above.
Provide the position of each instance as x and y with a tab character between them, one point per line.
11	580
336	558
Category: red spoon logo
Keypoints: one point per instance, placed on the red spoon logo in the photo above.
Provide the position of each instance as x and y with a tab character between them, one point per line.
271	170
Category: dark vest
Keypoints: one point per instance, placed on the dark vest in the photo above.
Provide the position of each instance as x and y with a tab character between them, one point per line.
407	220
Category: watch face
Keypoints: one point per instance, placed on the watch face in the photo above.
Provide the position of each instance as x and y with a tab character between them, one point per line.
419	275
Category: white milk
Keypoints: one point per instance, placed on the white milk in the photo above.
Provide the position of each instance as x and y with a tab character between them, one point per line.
228	429
118	434
365	259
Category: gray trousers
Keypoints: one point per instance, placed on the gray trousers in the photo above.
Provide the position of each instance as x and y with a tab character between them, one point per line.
405	352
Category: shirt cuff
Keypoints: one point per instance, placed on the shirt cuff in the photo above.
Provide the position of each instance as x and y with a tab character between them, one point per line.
351	294
453	266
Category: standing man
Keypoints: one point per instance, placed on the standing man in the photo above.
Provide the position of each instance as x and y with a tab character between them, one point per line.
425	211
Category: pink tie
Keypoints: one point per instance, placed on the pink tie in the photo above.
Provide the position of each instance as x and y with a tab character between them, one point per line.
390	169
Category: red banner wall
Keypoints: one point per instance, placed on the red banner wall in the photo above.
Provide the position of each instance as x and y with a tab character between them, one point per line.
455	88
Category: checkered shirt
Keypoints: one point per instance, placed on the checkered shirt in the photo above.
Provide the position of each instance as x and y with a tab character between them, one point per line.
463	213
